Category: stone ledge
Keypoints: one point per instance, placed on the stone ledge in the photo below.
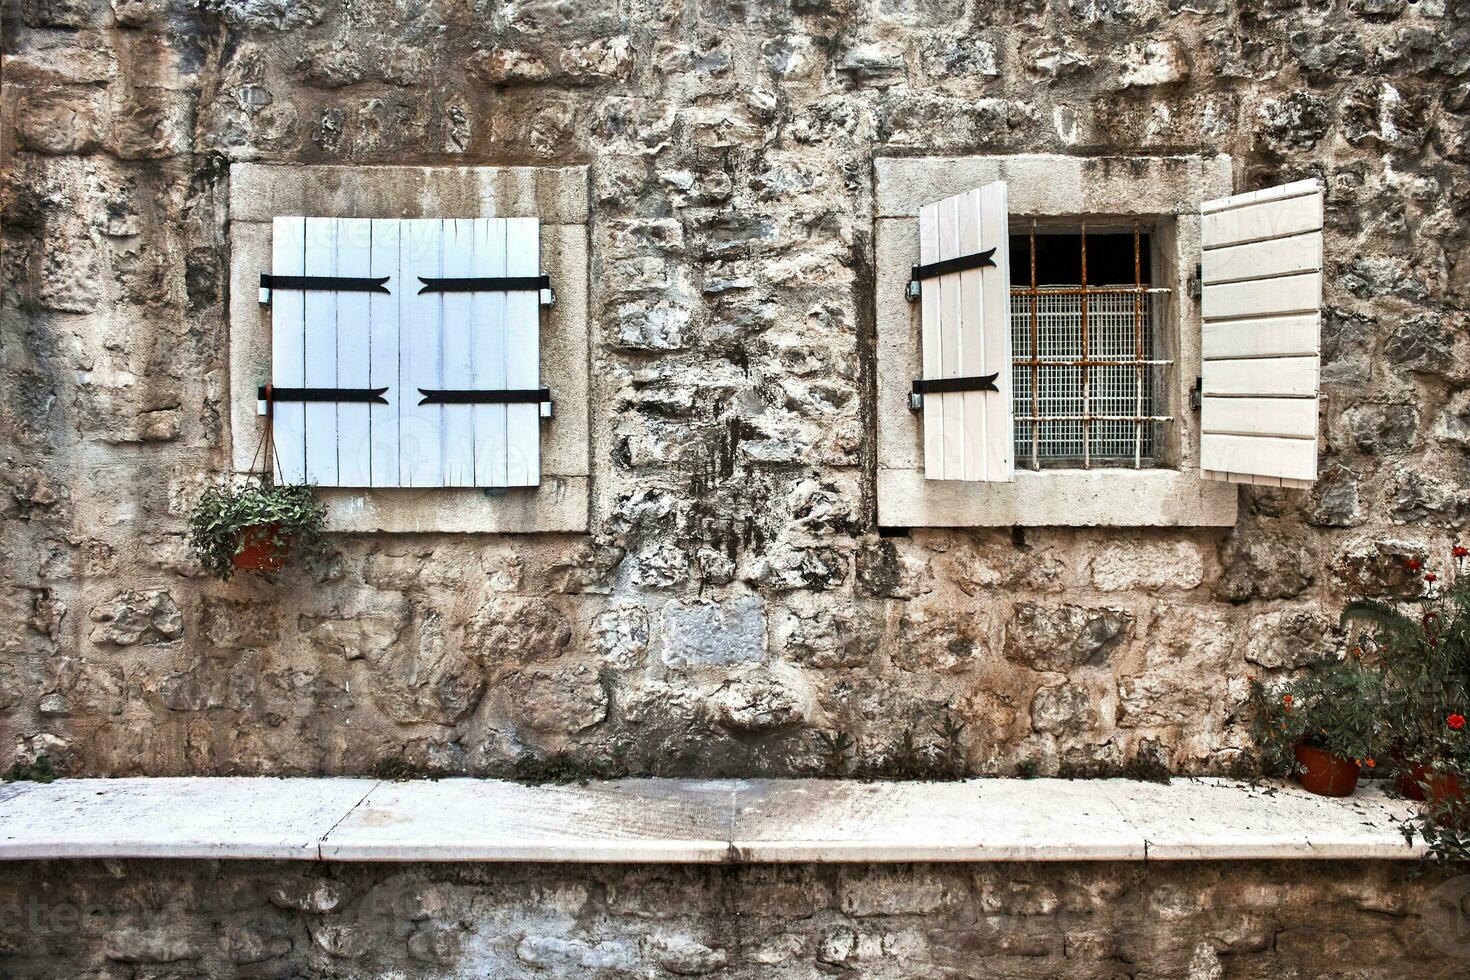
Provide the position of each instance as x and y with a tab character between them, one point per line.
693	821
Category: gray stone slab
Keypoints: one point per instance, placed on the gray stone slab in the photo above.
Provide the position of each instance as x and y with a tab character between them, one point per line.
260	191
976	820
694	821
1220	819
189	817
627	821
1049	184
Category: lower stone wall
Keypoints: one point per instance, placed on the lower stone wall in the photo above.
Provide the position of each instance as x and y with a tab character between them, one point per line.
104	919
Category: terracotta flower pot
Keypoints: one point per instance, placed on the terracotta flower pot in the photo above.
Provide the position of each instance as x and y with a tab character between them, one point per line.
1411	781
259	551
1326	774
1446	790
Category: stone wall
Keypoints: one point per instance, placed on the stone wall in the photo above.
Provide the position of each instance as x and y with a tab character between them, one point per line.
1197	921
734	598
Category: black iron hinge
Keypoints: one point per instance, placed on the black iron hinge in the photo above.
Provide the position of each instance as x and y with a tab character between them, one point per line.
488	396
541	285
336	284
272	393
943	386
918	273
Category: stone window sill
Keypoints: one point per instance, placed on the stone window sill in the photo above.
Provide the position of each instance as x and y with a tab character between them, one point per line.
1057	498
692	821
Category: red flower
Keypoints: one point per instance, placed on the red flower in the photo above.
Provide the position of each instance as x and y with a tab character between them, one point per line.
1413	564
1460	551
1456	722
1431	577
1286	699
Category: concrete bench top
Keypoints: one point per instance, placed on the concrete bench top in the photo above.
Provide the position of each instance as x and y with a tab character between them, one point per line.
693	821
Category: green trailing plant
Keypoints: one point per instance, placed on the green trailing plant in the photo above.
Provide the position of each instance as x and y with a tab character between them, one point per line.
1334	707
837	747
39	771
288	517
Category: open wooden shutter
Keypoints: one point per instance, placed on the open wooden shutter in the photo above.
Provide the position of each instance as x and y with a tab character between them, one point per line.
966	318
367	355
1261	276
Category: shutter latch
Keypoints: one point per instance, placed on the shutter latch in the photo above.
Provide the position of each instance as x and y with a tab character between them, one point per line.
944	386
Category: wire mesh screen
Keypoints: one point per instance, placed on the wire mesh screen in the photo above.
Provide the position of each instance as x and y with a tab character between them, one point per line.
1094	406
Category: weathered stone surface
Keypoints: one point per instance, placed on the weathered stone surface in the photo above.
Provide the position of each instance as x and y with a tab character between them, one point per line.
640	920
137	617
1260	564
730	212
1060	638
709	634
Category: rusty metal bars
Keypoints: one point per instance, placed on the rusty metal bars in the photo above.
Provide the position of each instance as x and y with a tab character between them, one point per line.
1088	323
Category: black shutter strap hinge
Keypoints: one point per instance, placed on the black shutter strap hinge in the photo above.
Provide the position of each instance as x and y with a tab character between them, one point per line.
962	263
489	396
944	386
493	284
277	394
336	284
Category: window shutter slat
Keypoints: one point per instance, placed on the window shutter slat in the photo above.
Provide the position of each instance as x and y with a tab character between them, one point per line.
965	320
383	312
489	355
420	427
523	353
1261	271
354	427
288	350
459	420
321	353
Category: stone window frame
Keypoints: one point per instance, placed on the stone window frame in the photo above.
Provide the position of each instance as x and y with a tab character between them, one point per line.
1164	190
559	197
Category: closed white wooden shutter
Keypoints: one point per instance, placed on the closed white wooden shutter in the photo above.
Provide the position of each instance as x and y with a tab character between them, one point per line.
405	340
1261	275
967	334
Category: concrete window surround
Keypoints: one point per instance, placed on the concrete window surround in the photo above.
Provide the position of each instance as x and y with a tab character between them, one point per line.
558	196
717	821
1168	190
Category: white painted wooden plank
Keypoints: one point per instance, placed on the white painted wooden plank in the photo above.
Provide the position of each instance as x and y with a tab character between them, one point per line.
1260	260
974	458
1297	188
1264	376
996	301
1258	222
1281	191
932	327
354	369
1295	417
523	353
383	349
1263	297
1259	455
952	404
288	350
1296	334
420	427
459	420
321	353
489	355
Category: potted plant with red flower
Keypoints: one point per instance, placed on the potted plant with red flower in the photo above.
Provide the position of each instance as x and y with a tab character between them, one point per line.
1322	727
1422	648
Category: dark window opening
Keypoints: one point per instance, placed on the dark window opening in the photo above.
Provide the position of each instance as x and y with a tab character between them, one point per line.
1059	259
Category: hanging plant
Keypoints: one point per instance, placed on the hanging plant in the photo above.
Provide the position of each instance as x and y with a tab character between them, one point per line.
255	526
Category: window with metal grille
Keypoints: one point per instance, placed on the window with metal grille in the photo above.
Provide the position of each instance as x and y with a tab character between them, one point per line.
1087	376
